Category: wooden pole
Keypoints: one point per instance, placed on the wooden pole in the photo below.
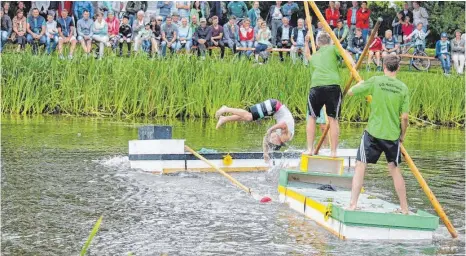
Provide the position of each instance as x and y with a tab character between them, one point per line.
430	195
309	26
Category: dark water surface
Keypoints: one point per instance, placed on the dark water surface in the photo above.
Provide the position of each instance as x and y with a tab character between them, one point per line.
59	174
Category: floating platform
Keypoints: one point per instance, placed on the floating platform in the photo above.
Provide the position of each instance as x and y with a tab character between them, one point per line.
156	151
323	198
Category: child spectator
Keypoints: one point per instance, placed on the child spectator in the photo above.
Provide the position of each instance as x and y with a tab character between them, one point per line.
358	44
389	44
407	28
375	48
51	32
113	25
125	35
144	36
442	52
419	36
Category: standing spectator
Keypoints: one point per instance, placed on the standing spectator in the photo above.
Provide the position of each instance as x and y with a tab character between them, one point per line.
66	33
133	7
183	8
338	8
341	32
375	48
165	8
420	15
85	25
275	16
152	10
80	6
116	8
19	30
169	35
144	36
289	10
100	33
254	13
216	38
22	6
457	52
202	37
419	36
263	41
407	28
246	36
239	9
42	6
6	9
363	17
284	36
113	25
51	31
6	28
194	25
397	24
332	15
200	9
297	39
36	30
351	21
389	44
185	36
176	19
53	6
358	44
216	10
442	52
156	28
138	25
231	36
406	12
125	35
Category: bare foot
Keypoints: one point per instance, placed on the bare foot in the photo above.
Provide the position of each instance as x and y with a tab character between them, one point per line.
333	154
221	121
352	208
220	111
309	152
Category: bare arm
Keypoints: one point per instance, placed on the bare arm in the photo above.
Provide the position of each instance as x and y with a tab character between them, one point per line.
404	126
281	125
307	51
265	148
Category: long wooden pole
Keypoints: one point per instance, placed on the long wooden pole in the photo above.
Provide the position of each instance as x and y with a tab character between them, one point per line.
309	26
437	207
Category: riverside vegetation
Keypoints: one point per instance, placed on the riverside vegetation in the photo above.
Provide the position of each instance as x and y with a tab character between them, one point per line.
185	87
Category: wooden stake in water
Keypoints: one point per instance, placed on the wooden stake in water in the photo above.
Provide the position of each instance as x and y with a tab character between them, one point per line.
438	208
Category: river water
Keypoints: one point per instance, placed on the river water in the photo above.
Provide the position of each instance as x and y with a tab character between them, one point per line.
59	174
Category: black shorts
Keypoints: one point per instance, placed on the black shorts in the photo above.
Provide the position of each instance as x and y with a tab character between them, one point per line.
371	148
266	108
328	95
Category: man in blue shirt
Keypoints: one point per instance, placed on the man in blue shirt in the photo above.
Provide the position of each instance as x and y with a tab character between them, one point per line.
288	10
297	40
66	32
80	6
36	30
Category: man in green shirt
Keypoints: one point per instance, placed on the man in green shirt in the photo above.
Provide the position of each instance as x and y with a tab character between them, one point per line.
385	132
325	90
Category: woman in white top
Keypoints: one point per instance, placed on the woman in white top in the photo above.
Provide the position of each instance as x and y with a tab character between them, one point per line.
100	33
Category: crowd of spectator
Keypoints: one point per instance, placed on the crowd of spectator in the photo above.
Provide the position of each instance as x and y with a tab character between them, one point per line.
152	27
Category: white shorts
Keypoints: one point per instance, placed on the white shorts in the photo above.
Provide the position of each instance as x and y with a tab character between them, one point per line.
71	39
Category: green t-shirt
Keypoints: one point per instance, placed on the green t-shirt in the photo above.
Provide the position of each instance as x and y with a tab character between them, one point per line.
390	99
324	66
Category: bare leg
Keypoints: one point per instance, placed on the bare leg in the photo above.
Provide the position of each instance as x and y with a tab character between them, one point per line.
226	119
400	188
326	140
84	46
377	57
310	134
358	179
245	115
73	46
60	46
334	131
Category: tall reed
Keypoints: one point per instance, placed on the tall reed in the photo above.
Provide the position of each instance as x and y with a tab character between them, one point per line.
185	87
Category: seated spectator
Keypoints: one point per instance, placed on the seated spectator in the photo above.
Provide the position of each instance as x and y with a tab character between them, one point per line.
100	33
19	30
318	30
125	35
358	44
202	37
66	32
246	35
113	25
85	33
200	9
257	27
457	52
194	25
263	41
406	29
144	36
36	30
297	40
176	19
442	52
284	36
156	28
165	8
231	36
397	24
239	9
376	48
341	32
183	8
51	31
6	28
137	26
216	38
254	13
389	44
169	36
419	36
185	35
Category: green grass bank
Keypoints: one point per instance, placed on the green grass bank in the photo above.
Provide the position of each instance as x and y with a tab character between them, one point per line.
186	88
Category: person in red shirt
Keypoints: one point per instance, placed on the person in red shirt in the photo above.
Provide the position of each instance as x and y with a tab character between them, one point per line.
406	29
332	15
375	48
363	16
